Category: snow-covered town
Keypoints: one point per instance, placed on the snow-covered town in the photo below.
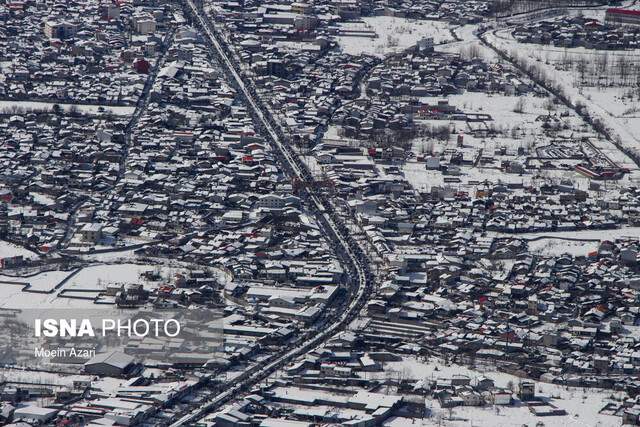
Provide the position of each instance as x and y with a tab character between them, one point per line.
356	212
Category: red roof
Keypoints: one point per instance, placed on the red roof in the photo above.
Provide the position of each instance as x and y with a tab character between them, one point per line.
623	11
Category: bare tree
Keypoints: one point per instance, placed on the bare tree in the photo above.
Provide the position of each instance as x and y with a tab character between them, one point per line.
520	106
582	69
549	105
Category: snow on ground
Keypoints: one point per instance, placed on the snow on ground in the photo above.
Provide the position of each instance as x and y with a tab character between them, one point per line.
500	107
8	250
19	375
604	103
113	256
48	106
518	128
582	405
422	179
332	132
98	277
41	282
557	247
581	413
90	277
471	178
633	232
93	277
468	42
393	35
12	297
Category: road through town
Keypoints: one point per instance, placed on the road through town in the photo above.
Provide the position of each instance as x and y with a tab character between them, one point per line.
347	248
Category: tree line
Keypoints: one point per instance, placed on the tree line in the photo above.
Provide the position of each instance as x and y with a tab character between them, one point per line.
510	7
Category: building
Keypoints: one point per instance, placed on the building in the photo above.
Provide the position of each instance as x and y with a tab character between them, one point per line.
347	9
4	219
272	201
432	163
109	11
622	16
114	364
300	8
11	262
144	24
35	414
59	29
501	397
141	66
91	232
425	44
527	391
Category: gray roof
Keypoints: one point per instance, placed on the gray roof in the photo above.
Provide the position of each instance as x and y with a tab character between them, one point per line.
114	358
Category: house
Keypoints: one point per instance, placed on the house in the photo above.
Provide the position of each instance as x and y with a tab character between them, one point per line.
144	24
91	232
274	201
501	397
54	29
141	65
527	390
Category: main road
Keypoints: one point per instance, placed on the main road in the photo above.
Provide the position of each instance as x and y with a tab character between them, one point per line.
348	249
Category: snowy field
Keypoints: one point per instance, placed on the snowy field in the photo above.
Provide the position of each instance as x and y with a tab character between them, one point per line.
557	247
604	102
48	106
19	375
41	282
582	405
11	297
631	232
499	106
422	179
94	277
98	277
8	250
393	35
109	257
516	128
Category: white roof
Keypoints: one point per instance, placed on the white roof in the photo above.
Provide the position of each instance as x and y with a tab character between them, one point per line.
33	411
374	401
279	422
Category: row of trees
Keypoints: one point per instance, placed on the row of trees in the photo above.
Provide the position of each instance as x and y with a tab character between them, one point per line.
509	7
603	70
599	69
